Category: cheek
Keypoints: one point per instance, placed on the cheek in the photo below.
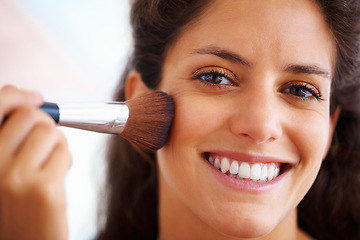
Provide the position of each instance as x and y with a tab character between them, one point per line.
196	119
310	136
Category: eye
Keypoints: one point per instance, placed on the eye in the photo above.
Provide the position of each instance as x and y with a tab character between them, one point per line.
303	90
215	76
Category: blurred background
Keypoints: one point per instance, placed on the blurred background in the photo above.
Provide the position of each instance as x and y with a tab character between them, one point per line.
70	51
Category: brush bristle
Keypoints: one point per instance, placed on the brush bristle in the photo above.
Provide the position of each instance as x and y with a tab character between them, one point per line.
149	120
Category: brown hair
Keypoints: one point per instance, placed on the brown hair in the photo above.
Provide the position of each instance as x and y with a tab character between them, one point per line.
331	208
132	184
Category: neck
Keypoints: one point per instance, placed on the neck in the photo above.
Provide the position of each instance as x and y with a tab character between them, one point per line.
177	221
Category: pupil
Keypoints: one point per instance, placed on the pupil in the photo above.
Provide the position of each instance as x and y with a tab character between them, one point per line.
213	78
298	91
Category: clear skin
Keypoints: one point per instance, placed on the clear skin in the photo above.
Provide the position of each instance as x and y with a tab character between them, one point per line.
33	163
259	108
264	105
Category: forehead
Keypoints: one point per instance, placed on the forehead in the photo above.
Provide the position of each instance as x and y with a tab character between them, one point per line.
293	30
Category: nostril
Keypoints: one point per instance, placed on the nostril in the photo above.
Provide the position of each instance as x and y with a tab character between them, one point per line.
257	139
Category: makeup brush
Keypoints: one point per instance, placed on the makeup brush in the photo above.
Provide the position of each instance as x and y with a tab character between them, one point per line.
143	121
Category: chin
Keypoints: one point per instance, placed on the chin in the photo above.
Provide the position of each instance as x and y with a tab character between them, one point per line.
246	226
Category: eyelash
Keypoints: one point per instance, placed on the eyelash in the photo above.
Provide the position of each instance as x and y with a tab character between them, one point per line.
216	74
303	87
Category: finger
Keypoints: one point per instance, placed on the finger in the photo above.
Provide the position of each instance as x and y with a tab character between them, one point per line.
59	162
12	98
16	128
37	147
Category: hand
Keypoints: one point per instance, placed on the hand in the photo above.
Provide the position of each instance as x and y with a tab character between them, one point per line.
34	159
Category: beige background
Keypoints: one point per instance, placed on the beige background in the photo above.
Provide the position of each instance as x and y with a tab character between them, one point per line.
70	50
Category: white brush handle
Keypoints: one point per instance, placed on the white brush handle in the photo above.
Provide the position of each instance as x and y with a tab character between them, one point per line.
99	117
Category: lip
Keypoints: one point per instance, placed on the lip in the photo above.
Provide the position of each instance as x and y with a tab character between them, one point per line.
248	185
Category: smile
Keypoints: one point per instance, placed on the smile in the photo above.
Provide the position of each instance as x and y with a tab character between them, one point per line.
252	171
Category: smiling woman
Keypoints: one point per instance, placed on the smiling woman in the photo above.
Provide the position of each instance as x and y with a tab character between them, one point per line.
257	105
263	119
265	141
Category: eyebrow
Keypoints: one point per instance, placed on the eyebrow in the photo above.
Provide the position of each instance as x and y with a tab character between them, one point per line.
308	69
224	54
235	58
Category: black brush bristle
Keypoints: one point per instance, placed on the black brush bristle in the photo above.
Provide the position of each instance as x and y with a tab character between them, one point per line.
149	121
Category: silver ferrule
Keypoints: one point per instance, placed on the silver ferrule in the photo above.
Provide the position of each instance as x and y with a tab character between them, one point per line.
99	117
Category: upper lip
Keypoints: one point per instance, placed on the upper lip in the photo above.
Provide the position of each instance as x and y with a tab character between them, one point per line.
250	158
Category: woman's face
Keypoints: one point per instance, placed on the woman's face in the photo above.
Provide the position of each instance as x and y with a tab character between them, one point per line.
251	84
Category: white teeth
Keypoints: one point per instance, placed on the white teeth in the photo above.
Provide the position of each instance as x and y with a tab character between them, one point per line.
271	171
255	173
277	171
233	175
244	170
264	173
234	167
211	160
217	163
225	165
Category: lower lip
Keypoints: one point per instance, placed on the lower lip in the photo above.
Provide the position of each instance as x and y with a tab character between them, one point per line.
246	185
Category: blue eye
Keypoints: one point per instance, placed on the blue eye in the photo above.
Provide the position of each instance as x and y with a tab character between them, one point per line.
303	90
214	77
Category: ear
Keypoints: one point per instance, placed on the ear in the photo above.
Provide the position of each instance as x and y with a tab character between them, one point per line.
333	121
135	86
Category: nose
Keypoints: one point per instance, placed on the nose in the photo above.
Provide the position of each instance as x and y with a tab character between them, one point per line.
257	118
